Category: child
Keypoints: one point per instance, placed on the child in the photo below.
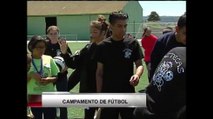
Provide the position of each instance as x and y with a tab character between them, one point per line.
29	60
42	73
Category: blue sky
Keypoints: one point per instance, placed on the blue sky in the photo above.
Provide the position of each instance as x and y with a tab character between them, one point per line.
164	8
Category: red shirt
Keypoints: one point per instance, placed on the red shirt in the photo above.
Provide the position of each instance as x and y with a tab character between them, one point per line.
148	42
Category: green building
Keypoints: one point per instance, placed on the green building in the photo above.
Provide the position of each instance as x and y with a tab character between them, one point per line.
73	17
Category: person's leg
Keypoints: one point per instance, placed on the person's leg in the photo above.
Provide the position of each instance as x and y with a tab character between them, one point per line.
148	67
89	113
61	85
29	113
182	113
143	113
49	113
109	113
97	113
63	113
37	112
126	113
138	113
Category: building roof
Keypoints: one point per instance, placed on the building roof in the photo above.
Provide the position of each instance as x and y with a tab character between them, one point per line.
43	8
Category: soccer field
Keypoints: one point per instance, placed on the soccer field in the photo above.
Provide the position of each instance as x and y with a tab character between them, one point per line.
78	113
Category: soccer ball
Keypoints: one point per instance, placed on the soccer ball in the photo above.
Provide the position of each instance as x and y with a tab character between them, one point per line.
60	62
168	76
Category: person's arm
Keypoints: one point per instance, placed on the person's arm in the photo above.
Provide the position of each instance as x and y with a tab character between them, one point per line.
54	72
69	51
137	57
99	77
69	60
67	54
156	57
134	80
33	75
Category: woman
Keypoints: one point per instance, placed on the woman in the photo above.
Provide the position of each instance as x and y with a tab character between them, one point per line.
53	49
148	41
85	62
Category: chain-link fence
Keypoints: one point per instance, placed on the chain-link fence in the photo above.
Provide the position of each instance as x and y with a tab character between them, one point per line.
73	37
136	29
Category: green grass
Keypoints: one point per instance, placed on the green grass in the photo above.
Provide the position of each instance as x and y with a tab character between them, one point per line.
76	112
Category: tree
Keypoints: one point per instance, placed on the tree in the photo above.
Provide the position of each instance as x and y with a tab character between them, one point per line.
154	17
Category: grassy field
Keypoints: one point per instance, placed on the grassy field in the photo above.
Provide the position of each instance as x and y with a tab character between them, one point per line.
78	113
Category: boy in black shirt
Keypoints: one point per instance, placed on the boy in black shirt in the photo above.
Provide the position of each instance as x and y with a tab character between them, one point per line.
115	57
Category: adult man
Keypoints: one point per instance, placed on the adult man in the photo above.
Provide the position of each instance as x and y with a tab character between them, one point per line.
166	93
115	57
168	41
148	41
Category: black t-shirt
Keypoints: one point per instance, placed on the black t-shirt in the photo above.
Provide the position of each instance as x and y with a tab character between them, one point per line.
163	45
117	58
166	93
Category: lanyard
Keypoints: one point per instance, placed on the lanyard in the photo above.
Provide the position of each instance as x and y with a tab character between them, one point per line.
41	68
